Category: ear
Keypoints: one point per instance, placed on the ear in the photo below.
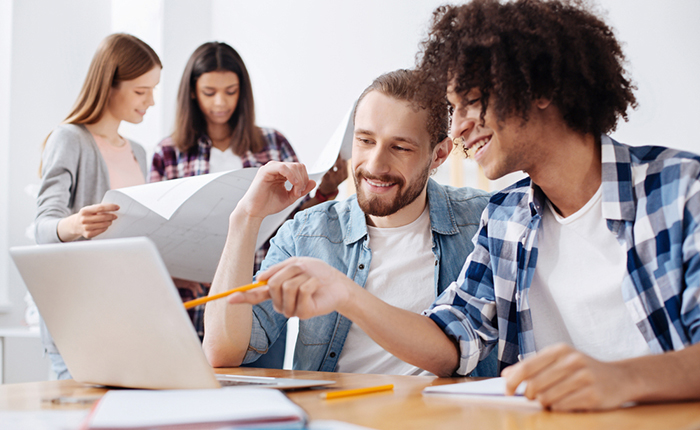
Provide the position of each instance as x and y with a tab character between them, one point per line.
441	152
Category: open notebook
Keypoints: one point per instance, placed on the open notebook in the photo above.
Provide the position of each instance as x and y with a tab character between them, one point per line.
117	318
490	390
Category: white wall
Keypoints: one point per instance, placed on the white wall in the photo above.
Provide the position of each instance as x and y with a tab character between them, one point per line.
662	44
310	59
5	61
51	47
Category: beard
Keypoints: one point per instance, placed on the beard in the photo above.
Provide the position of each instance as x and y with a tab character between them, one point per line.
376	205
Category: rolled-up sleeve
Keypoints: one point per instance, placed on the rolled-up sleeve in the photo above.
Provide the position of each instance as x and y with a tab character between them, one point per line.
268	324
466	310
690	293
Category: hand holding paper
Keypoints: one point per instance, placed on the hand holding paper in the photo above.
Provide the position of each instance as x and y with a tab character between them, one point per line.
188	218
562	378
89	222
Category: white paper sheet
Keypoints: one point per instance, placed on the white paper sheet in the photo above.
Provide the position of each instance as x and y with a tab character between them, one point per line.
187	218
490	390
144	409
43	420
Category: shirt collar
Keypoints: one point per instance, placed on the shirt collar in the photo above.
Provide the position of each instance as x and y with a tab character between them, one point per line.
617	189
357	227
536	199
442	218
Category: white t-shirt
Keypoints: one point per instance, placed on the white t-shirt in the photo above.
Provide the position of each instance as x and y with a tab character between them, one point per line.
402	273
576	291
223	161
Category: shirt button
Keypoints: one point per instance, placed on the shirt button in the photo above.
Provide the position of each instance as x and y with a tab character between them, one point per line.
361	266
332	354
436	262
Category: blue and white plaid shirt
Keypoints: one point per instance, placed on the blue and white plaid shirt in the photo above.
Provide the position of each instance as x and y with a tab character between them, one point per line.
651	201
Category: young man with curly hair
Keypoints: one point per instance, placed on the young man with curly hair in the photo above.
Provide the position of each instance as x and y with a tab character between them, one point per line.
586	275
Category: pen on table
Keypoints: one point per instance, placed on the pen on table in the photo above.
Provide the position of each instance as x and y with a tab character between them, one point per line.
356	391
202	300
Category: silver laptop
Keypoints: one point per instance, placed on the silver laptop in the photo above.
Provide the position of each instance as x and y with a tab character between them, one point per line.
118	319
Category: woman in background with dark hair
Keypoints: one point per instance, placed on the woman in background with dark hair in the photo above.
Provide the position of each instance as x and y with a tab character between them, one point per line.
215	131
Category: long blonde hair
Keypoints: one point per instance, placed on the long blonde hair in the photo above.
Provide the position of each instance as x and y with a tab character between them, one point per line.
119	57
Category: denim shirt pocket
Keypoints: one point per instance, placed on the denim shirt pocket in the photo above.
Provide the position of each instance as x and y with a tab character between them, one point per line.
318	330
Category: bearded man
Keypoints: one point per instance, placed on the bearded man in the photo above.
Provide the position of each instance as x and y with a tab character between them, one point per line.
402	237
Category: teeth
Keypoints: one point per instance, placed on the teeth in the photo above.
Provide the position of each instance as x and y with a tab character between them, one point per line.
374	184
477	146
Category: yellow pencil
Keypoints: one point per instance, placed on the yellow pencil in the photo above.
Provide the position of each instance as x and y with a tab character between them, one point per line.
356	391
202	300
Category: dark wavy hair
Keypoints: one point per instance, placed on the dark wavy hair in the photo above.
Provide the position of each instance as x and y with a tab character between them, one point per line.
403	85
516	52
190	123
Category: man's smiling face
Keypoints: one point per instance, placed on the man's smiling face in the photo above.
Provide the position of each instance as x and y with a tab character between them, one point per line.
499	147
391	154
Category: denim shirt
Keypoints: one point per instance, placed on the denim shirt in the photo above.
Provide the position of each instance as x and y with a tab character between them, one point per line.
336	232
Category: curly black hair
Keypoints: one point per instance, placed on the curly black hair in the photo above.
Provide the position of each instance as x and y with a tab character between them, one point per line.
516	52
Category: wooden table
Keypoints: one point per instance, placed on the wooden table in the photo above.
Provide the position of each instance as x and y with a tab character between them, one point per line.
403	408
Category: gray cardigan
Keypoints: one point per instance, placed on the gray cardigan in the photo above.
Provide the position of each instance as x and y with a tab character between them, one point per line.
73	175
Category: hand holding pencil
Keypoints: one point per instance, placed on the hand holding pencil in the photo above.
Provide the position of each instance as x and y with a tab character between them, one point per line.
200	301
304	287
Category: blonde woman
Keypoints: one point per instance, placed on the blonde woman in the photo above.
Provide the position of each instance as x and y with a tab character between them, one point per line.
85	156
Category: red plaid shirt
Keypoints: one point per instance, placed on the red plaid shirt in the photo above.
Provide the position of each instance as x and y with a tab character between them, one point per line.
170	163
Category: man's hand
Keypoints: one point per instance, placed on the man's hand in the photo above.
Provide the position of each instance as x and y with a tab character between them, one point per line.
268	194
564	379
228	328
89	222
301	286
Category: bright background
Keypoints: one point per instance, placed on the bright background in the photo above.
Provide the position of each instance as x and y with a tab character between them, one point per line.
308	60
